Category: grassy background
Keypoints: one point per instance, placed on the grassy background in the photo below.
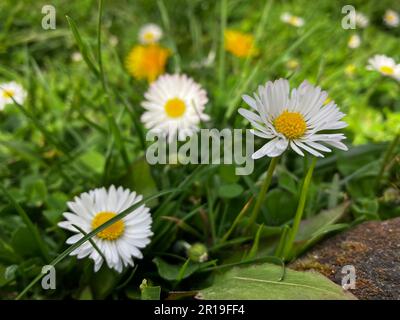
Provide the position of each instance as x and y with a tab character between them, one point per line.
72	135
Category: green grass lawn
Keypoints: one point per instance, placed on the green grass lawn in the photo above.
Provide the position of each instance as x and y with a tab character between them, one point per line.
79	128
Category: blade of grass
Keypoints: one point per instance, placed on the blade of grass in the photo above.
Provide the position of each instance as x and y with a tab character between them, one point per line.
254	247
237	220
83	49
91	241
167	26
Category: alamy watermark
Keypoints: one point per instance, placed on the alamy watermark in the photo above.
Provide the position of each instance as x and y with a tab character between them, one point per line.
49	278
49	19
208	146
349	277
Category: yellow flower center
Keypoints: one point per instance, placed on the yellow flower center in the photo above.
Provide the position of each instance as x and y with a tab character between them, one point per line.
175	108
112	232
391	17
149	36
294	20
386	70
291	124
8	93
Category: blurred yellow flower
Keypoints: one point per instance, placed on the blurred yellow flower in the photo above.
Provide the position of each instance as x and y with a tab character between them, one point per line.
350	70
292	64
147	61
239	44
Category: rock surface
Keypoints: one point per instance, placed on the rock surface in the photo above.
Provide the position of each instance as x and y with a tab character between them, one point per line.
373	248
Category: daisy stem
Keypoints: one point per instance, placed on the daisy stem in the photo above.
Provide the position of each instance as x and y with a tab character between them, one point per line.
300	210
263	191
391	149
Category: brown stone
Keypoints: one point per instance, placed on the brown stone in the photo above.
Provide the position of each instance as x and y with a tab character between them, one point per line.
373	248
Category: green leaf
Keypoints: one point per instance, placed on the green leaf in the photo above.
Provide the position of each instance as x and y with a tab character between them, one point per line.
261	282
35	190
287	181
280	205
139	178
173	272
227	173
149	292
229	191
103	282
93	160
311	226
24	243
56	206
366	208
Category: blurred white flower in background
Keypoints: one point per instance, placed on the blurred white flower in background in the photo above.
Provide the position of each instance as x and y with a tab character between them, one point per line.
76	56
362	20
391	18
150	33
354	41
384	65
9	92
292	20
114	40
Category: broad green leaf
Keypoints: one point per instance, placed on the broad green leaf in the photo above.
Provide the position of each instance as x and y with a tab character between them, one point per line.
366	208
93	160
24	243
316	227
287	181
103	282
139	178
280	207
35	190
311	226
261	282
56	204
227	173
229	191
173	272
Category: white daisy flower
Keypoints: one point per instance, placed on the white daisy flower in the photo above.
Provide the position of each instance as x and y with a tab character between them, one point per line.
174	106
294	119
76	56
120	242
292	20
114	40
391	18
385	65
9	91
150	33
354	41
362	20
